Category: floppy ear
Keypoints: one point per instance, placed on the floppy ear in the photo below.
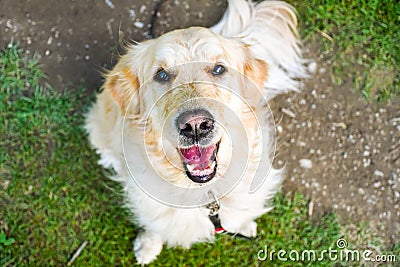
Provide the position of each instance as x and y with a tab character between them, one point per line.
123	85
256	70
256	73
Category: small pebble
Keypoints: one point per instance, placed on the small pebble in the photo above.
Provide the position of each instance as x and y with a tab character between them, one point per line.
305	163
142	8
138	24
132	13
312	67
109	3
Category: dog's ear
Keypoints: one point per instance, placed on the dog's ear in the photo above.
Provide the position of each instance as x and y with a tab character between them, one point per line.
123	85
256	73
256	70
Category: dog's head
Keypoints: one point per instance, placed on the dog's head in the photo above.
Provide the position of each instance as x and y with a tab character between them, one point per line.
178	87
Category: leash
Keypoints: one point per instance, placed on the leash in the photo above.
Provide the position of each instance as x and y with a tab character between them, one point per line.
214	207
154	17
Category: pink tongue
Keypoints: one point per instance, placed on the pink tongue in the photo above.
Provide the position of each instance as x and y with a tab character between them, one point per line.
197	155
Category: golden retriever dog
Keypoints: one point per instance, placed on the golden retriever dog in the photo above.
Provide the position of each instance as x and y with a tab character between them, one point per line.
184	121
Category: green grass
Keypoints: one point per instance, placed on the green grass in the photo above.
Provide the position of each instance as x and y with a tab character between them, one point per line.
365	44
53	196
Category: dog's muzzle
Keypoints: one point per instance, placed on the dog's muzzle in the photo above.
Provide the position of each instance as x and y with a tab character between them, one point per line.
196	130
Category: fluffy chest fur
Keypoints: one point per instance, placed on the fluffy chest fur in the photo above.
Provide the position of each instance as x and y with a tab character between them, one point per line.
186	115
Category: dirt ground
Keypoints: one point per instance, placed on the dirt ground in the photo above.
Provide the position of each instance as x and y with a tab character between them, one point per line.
340	150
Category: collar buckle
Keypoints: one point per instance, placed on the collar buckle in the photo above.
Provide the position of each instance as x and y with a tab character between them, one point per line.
213	206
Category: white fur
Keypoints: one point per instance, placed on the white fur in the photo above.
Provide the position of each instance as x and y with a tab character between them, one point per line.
147	246
269	30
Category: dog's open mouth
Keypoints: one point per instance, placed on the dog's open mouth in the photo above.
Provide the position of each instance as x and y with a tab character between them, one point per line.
200	162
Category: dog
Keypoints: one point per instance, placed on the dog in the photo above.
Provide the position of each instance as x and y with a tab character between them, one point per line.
184	121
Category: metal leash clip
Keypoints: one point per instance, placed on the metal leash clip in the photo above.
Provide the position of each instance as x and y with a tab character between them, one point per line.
214	205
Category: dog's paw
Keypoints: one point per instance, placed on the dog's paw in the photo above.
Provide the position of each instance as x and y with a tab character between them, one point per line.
147	246
249	230
108	160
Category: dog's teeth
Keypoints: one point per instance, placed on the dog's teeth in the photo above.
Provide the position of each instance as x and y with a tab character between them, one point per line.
212	166
190	167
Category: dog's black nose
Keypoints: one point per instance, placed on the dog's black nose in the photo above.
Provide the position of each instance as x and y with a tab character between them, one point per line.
195	125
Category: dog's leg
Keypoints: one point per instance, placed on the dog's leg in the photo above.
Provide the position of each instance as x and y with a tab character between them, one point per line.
248	228
147	246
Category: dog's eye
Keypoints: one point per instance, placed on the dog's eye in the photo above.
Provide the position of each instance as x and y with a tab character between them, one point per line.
162	76
218	70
